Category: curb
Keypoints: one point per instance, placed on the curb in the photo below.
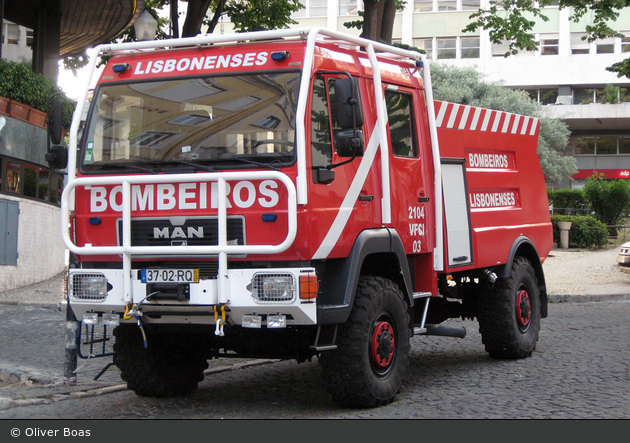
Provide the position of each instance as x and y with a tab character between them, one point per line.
585	298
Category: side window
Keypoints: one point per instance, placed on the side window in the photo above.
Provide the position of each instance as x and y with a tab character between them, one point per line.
401	128
321	145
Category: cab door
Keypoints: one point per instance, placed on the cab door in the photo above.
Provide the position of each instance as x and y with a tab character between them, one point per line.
410	199
341	199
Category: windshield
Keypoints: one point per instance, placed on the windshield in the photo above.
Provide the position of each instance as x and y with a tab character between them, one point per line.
228	121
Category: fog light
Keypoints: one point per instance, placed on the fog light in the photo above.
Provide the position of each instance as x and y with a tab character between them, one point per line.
111	319
90	318
252	321
276	321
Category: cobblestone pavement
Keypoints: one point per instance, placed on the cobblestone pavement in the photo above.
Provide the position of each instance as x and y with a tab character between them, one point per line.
578	371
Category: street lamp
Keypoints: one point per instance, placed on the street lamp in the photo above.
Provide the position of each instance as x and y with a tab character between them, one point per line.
145	26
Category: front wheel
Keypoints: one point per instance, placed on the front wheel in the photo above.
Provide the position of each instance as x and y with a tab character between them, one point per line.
170	366
367	368
509	314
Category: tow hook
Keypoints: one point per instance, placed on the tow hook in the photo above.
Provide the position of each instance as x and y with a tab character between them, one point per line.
137	314
219	321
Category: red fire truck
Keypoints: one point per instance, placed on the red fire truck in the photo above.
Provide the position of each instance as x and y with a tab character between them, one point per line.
296	194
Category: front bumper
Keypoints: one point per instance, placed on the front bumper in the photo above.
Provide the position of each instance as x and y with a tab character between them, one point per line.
252	294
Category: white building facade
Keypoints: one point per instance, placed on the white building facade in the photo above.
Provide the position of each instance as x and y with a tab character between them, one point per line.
566	73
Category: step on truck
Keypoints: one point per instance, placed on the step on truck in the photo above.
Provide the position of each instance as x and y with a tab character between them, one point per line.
295	194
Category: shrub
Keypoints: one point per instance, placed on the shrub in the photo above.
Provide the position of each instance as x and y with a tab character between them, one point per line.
586	231
609	199
568	201
18	82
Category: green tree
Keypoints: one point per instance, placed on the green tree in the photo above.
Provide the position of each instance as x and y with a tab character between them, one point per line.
609	199
513	21
466	86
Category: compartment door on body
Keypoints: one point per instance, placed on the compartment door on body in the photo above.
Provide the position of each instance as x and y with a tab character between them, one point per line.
456	212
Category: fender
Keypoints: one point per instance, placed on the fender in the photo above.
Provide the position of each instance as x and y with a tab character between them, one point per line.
375	252
524	247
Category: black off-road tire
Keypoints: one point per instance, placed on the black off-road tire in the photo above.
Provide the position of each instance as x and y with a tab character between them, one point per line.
368	366
170	366
509	313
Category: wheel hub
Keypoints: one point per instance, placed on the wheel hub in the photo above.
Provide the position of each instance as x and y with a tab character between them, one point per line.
523	309
383	344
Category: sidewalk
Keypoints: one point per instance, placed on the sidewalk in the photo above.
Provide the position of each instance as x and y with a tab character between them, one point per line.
48	293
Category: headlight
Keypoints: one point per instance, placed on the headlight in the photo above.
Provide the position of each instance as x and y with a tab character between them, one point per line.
273	288
91	287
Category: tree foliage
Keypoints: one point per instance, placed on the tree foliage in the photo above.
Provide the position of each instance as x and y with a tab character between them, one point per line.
261	15
512	22
466	86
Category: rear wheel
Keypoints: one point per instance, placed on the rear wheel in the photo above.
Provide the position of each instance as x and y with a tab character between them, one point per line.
509	314
367	368
171	365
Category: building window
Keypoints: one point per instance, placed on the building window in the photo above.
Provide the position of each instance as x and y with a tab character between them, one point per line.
348	7
446	5
446	48
29	180
624	145
602	145
422	5
426	44
606	145
549	45
14	177
314	8
584	145
578	44
625	44
470	47
499	49
544	96
605	47
469	5
583	96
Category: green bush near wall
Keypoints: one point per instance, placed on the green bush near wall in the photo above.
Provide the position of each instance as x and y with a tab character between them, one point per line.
585	232
19	83
568	201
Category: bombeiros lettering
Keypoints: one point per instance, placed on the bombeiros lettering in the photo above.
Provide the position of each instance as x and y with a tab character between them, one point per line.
499	161
202	63
180	196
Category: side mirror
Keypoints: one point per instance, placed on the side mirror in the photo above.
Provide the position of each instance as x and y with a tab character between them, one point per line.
57	157
54	119
349	144
349	110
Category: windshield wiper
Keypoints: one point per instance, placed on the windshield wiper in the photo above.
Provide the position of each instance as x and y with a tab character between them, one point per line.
254	162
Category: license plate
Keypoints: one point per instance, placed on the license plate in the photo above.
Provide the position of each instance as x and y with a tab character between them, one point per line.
169	275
